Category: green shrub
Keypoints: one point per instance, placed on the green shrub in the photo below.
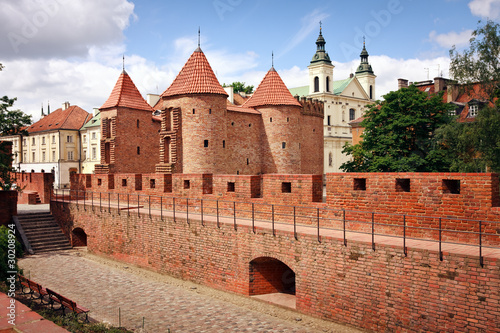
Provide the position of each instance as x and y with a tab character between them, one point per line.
10	250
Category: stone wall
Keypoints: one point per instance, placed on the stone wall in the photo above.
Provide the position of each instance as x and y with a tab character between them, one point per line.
41	183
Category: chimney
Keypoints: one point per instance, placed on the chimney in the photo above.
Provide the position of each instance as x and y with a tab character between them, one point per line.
439	84
96	111
402	83
65	105
452	93
152	99
230	92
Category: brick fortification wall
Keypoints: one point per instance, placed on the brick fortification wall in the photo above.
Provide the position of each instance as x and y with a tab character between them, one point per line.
378	290
42	183
8	206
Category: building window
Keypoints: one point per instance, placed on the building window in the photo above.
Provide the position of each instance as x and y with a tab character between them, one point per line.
138	150
283	145
248	161
271	119
316	84
473	109
451	186
25	158
53	156
93	136
33	141
352	114
124	182
152	183
452	113
94	153
327	83
69	139
329	118
187	184
205	143
209	111
359	184
330	159
43	140
24	142
43	156
343	116
70	155
371	92
403	185
53	139
230	186
194	111
84	154
99	181
84	139
223	143
286	187
33	155
137	123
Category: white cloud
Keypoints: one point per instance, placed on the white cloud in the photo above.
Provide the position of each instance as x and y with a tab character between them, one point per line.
450	39
485	8
61	28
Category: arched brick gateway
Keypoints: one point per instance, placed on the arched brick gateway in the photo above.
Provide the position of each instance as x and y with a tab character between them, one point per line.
78	237
269	275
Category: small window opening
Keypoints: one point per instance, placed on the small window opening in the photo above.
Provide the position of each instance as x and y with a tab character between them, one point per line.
194	111
230	186
403	185
137	123
248	162
187	184
232	123
249	125
152	183
287	120
283	145
138	150
286	187
205	143
451	186
359	184
223	143
124	182
271	119
209	111
99	181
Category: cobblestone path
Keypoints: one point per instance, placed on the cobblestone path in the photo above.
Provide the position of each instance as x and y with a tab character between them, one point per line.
105	286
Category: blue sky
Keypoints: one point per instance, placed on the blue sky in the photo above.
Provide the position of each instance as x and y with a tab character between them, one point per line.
71	50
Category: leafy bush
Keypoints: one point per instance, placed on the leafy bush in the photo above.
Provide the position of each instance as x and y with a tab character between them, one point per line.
10	250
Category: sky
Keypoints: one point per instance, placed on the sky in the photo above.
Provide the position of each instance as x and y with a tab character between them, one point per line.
72	50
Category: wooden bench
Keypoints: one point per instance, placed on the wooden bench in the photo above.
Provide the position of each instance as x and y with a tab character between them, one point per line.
66	303
33	288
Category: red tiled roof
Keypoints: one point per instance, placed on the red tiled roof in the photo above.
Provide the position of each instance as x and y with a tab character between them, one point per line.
73	117
196	77
126	94
241	109
271	91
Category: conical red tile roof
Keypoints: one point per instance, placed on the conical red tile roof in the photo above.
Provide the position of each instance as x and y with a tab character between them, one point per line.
271	91
126	94
196	77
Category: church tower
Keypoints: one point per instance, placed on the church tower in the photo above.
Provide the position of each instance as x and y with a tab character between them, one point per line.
320	69
365	74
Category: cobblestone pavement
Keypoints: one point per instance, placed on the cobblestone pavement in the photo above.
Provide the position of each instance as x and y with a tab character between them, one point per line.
105	286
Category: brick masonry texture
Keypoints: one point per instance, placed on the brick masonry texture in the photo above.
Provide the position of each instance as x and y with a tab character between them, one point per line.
34	183
378	290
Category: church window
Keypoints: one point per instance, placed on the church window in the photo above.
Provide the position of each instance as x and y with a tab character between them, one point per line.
371	92
352	114
330	159
327	83
343	116
316	84
329	120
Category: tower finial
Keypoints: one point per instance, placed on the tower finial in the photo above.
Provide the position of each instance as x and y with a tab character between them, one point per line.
198	36
272	59
320	27
123	62
363	41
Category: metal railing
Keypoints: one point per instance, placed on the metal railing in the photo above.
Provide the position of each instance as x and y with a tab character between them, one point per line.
443	230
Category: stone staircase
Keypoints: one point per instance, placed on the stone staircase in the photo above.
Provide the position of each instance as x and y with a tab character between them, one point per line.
43	233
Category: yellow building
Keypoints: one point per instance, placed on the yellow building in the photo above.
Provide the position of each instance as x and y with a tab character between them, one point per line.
90	135
52	144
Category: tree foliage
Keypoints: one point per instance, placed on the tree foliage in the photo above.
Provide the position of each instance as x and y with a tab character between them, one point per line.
4	251
240	87
481	61
399	135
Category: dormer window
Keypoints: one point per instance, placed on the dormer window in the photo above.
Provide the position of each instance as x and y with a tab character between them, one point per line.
473	110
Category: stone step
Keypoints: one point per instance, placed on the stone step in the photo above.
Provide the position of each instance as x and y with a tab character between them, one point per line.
46	238
43	231
51	248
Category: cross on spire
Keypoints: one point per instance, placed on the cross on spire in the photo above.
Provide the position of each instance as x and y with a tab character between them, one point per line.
198	36
123	62
272	59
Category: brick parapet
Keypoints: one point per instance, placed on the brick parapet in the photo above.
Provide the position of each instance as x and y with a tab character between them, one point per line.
41	183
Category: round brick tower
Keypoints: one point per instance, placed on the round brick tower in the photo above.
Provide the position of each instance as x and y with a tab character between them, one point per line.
201	132
281	115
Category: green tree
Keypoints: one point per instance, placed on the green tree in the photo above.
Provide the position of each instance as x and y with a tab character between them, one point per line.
4	253
399	135
240	87
481	61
